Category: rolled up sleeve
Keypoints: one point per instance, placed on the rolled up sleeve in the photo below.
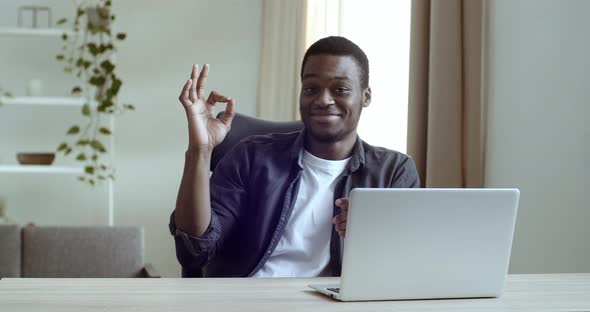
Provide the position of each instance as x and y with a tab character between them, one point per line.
195	251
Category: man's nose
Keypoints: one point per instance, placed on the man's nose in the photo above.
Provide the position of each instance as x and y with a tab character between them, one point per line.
324	98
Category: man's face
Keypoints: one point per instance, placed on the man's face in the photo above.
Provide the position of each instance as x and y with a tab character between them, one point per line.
331	97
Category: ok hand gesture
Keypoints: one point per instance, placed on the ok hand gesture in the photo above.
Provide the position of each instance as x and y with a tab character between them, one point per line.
205	130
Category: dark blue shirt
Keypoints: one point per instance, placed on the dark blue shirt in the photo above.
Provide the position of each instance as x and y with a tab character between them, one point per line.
253	191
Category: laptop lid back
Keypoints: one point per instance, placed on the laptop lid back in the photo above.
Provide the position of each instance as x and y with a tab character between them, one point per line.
427	243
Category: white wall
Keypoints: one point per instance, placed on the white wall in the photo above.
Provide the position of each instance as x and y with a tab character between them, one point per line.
539	128
164	39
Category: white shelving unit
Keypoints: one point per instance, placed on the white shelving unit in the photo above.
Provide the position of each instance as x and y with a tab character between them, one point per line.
52	32
40	169
48	103
43	101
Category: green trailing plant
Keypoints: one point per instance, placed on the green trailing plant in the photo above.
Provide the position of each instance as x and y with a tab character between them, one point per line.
88	55
6	94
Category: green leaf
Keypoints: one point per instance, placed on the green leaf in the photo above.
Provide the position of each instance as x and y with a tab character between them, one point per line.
61	21
97	80
103	167
121	36
94	157
79	62
107	66
101	177
76	90
98	146
86	110
112	177
81	157
82	179
74	130
104	131
89	169
60	57
82	142
8	94
62	147
91	182
92	48
129	107
107	3
79	12
64	36
68	151
68	70
116	85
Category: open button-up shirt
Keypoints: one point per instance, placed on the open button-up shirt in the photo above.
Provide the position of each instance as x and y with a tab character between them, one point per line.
253	190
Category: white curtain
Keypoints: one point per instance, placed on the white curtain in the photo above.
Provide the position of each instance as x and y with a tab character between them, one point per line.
283	47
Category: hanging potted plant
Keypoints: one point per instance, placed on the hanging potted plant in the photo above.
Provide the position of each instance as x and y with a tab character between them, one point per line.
89	56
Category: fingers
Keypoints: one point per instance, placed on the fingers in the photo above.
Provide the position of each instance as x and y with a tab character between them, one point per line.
341	229
184	95
195	71
193	87
215	97
228	114
342	203
340	220
201	81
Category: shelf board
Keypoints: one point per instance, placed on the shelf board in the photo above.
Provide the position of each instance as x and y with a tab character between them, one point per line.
40	32
43	100
40	169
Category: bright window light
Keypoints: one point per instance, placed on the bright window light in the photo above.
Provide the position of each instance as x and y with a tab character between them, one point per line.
382	30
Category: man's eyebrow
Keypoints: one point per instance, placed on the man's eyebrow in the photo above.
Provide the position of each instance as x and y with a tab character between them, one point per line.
312	75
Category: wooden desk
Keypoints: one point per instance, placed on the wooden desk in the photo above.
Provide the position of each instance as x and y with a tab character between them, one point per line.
559	292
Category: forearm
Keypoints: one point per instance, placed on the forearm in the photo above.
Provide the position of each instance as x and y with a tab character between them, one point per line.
193	204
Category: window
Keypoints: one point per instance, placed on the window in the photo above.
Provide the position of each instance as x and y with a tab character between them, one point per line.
382	30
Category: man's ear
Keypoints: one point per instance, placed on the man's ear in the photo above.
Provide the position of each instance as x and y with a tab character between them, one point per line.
367	97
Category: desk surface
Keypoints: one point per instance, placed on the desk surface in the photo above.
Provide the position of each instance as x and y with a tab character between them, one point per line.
547	292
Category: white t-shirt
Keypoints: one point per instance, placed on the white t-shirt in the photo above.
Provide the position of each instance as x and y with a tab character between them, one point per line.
304	248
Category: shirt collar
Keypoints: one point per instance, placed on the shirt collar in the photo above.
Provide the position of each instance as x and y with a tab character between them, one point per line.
357	159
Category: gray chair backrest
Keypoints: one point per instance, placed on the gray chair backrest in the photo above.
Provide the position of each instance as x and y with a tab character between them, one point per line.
10	251
244	126
89	251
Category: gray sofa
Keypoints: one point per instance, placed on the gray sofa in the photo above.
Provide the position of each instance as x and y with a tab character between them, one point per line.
66	251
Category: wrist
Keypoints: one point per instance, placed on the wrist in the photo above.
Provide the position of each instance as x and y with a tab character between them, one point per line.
197	150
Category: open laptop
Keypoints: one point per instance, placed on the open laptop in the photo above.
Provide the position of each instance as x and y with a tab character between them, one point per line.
426	244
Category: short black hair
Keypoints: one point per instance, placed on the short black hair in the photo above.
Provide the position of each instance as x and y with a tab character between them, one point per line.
335	45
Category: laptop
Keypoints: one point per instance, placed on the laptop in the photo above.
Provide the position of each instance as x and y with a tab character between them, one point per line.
426	244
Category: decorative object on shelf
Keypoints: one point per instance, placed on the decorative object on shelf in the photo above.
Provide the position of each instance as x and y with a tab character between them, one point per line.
34	9
35	87
89	56
35	158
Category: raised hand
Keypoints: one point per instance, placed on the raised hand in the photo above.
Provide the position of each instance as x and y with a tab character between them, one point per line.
205	130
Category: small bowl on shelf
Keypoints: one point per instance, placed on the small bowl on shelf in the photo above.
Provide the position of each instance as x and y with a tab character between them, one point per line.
35	158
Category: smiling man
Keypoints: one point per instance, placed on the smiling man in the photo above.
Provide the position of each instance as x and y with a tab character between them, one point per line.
276	205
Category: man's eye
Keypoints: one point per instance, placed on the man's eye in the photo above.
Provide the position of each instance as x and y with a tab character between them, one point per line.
342	90
308	90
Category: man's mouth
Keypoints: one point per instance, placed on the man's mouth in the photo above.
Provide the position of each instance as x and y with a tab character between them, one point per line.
325	117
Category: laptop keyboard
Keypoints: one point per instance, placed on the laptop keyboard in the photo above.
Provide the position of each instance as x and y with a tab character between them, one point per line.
336	290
